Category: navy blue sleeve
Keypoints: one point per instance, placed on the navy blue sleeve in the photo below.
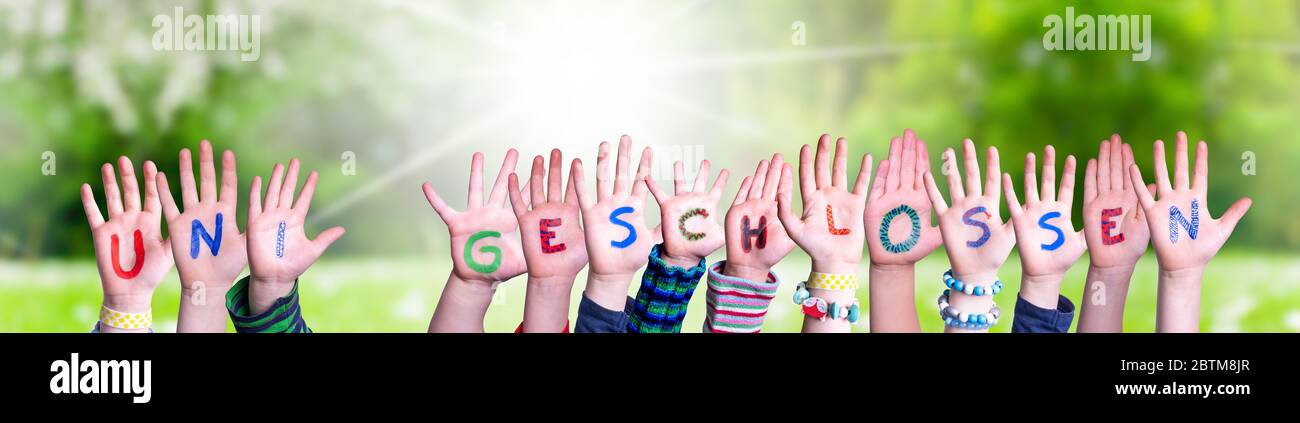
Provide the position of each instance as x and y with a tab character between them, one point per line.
592	318
1030	318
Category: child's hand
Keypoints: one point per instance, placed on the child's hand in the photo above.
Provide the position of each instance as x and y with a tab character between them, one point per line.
830	229
618	243
129	249
899	194
484	240
1048	243
209	250
1115	227
278	249
552	235
976	239
1186	237
756	240
689	217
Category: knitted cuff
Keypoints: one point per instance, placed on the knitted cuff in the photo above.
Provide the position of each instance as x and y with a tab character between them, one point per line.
284	316
737	305
660	304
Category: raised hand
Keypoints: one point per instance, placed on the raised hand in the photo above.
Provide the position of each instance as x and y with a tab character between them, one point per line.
1114	226
689	216
830	229
210	252
976	239
484	241
129	248
1185	236
618	243
756	240
552	235
1044	232
898	193
278	248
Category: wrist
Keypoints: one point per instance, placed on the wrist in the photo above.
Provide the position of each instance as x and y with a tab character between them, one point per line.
129	303
608	290
1187	279
746	272
686	261
894	273
835	267
1043	291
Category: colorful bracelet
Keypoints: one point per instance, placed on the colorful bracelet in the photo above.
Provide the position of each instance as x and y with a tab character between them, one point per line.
963	320
832	281
818	308
970	289
124	320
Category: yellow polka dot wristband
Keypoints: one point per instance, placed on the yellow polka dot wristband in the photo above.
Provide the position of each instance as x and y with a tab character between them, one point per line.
124	320
833	282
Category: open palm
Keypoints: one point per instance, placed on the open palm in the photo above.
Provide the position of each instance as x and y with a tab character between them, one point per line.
976	239
129	248
1045	251
219	255
278	248
552	235
690	216
1114	225
755	237
830	228
898	194
618	242
484	238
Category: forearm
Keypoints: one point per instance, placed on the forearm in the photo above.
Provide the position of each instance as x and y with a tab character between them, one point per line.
813	324
462	306
262	293
203	308
893	298
1104	293
971	304
546	304
608	290
1178	304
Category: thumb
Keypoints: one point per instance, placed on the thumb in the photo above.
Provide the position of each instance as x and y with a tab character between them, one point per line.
327	238
1234	214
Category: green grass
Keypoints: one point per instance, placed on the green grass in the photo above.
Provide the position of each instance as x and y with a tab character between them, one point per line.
1242	292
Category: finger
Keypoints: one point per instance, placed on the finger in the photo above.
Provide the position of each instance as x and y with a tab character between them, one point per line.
1117	164
151	204
878	185
994	170
255	198
840	171
93	217
955	191
1031	180
659	195
864	177
273	188
1180	162
679	178
893	179
784	197
1089	186
290	185
555	178
1013	203
579	183
189	192
907	174
760	179
701	177
1049	174
1161	170
112	196
498	195
526	194
1066	195
229	179
327	237
973	188
604	181
772	183
1234	214
823	160
743	193
570	191
130	187
1128	162
475	197
936	199
1104	172
304	198
444	211
1144	197
165	193
807	183
643	172
624	165
537	180
1201	174
922	166
719	185
207	174
516	198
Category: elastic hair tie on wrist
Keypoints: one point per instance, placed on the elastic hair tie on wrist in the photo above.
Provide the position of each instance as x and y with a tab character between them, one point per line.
963	320
820	309
124	320
970	289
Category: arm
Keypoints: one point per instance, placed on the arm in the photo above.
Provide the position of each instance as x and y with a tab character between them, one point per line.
130	252
830	231
976	239
1117	235
1184	242
741	288
485	249
205	239
899	234
553	243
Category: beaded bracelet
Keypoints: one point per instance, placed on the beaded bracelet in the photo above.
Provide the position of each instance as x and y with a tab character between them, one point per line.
970	289
818	308
963	320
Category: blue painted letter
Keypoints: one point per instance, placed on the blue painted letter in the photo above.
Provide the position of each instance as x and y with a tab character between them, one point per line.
631	231
1060	236
214	242
1176	219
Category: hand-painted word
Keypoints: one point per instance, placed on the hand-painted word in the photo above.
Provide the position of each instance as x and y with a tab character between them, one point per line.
830	223
1108	225
494	251
966	218
681	224
544	226
1177	219
753	237
139	257
197	231
912	238
1060	236
631	231
279	240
